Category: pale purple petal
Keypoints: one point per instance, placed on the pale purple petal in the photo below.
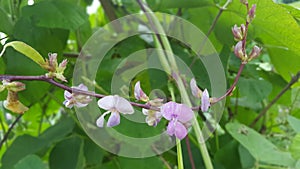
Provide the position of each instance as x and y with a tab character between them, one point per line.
139	93
122	105
145	111
100	120
81	87
68	104
186	114
195	89
107	103
205	103
78	104
67	95
168	110
180	131
114	119
171	128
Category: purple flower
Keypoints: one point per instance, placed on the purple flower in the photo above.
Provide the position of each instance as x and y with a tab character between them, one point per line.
178	115
78	100
139	93
195	89
114	105
153	117
205	103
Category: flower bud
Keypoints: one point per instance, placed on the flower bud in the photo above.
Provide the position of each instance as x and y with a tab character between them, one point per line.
251	13
14	86
139	93
255	52
195	89
52	63
238	50
244	2
205	101
13	104
237	33
157	102
1	88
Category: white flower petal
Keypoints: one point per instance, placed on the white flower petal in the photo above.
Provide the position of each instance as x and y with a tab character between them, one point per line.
113	120
100	120
122	105
107	103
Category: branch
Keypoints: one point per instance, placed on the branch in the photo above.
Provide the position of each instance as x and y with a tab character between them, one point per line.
72	90
285	89
188	146
221	9
9	130
109	11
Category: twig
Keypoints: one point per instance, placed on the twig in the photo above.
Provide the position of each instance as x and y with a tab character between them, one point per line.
285	89
229	91
109	11
187	142
72	90
221	9
9	130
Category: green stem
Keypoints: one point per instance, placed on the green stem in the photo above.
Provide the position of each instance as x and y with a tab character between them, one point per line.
178	143
169	54
179	154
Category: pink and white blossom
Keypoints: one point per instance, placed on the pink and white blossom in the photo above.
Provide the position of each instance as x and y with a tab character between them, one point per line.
114	105
75	99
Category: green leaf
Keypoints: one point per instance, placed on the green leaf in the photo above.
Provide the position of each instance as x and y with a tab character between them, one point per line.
58	131
25	50
222	156
254	90
21	147
6	25
67	154
259	147
30	162
56	14
247	160
93	153
271	28
295	147
294	123
144	163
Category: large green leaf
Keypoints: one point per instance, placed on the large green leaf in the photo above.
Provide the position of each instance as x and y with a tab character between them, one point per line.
258	146
295	147
5	24
56	14
31	162
21	147
67	154
279	32
222	156
295	123
144	163
254	90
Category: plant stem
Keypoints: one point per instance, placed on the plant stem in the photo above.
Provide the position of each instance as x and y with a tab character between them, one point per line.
176	75
179	154
187	141
9	130
285	89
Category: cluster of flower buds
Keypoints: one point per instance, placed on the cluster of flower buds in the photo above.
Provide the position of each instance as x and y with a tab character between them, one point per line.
12	102
56	70
240	33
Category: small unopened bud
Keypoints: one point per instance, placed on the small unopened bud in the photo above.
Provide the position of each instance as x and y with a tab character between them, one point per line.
238	32
13	104
52	61
157	102
244	2
195	89
238	50
14	86
251	14
255	52
139	93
